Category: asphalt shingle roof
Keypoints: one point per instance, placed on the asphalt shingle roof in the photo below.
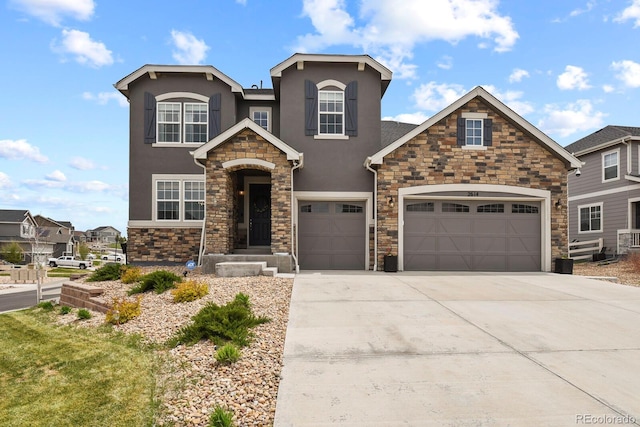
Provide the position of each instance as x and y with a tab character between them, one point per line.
8	215
604	135
392	131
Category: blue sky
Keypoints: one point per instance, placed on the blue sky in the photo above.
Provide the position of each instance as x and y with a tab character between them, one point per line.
569	67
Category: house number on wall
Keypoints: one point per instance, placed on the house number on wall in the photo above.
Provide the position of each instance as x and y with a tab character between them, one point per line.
472	194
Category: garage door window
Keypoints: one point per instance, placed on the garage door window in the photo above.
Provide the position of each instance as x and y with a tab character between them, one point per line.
315	208
343	208
492	208
421	207
524	209
454	207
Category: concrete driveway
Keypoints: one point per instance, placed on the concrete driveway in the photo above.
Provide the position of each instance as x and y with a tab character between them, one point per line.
533	349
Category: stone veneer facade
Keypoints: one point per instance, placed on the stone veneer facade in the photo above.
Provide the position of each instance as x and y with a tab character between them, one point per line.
433	157
172	245
220	233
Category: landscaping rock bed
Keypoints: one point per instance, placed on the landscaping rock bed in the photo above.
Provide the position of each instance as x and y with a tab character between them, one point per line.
193	382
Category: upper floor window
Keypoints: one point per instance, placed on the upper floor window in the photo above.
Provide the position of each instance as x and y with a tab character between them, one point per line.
474	130
331	109
610	165
331	112
169	121
262	116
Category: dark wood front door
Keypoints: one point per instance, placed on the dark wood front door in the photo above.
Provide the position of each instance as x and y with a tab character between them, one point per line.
260	215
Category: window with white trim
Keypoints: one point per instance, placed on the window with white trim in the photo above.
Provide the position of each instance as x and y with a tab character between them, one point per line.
173	123
473	129
168	122
590	218
179	199
262	116
331	112
195	122
610	165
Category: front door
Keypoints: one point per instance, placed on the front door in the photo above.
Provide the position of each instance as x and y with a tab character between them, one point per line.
259	214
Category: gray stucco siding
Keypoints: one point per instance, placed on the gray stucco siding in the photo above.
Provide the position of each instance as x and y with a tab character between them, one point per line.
244	107
332	165
146	159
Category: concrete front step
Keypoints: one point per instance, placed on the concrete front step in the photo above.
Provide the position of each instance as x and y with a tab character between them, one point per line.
244	269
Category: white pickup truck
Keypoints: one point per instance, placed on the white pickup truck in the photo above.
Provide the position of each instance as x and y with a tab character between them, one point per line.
69	261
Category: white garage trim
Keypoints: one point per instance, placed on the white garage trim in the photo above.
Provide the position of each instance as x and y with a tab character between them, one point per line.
531	194
336	196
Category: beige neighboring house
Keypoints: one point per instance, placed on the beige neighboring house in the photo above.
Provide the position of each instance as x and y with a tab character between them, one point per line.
58	233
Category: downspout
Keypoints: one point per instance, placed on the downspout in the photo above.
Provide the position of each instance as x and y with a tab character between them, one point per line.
204	219
367	164
296	165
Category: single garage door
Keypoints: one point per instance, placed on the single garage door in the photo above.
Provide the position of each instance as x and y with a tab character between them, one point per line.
331	235
463	235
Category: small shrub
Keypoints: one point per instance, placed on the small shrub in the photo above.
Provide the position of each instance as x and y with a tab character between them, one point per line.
158	281
84	314
46	305
189	291
130	274
220	417
65	310
634	262
110	271
228	354
221	324
123	310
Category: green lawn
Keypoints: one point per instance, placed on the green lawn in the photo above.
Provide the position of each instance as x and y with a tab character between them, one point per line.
54	376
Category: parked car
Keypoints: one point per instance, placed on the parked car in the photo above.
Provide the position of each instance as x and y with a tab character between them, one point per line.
69	261
112	257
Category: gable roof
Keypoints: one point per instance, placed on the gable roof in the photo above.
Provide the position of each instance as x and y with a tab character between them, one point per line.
607	136
207	71
201	153
391	131
13	215
494	103
361	60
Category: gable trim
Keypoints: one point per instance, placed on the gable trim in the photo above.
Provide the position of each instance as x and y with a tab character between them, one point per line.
550	144
201	153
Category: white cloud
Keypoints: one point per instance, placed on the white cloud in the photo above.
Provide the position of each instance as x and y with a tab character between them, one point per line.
579	116
20	149
89	186
608	88
53	11
415	118
517	75
190	50
42	183
82	164
86	51
5	181
630	13
588	7
628	72
446	62
435	97
512	99
103	98
573	78
242	2
56	175
390	32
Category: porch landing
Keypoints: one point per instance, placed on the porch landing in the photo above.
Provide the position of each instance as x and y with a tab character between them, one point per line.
283	262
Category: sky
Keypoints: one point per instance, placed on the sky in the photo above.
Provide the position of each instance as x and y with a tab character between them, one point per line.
569	67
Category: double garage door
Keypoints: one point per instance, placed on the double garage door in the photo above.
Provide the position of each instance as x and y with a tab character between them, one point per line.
463	235
332	235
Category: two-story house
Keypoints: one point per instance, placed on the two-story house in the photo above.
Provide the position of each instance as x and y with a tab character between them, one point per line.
19	226
306	171
604	197
58	233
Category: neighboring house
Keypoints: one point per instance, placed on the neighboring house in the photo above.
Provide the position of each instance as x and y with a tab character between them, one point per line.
19	226
604	199
104	234
308	171
58	233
